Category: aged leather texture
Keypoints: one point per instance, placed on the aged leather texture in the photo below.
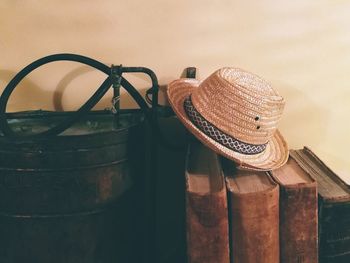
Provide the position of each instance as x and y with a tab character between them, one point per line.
333	208
298	224
207	227
255	226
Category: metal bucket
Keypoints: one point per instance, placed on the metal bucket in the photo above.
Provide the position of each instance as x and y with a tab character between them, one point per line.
72	185
72	199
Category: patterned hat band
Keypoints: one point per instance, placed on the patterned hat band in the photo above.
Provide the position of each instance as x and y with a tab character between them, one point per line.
217	135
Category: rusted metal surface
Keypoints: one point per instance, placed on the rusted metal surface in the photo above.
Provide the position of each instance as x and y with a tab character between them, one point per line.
72	199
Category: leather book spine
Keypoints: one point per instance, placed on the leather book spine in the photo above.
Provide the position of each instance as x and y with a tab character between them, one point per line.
299	224
254	219
334	232
207	227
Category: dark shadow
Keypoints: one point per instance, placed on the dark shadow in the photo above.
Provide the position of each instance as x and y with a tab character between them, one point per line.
162	96
189	72
63	84
126	100
26	96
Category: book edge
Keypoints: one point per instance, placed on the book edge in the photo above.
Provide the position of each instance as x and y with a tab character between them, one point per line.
310	184
274	185
307	151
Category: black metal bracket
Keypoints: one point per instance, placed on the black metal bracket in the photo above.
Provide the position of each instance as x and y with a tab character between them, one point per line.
191	72
114	79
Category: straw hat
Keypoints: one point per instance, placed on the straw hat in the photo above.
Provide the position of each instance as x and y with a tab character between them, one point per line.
235	113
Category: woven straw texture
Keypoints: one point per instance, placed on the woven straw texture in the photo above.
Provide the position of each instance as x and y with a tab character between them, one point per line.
240	104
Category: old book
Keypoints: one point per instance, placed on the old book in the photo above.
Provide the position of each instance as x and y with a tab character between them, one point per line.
298	214
206	207
254	215
334	208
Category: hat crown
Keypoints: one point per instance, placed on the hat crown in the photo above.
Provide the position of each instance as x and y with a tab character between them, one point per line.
239	103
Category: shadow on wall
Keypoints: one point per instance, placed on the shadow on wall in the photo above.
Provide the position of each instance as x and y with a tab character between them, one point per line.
26	96
29	96
64	83
126	100
304	122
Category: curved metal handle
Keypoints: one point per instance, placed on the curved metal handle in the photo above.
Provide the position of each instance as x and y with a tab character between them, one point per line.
89	104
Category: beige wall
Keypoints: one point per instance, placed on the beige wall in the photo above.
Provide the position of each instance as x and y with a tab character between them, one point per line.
301	47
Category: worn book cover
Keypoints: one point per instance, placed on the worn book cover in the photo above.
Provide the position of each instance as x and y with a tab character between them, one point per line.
334	208
298	214
254	215
206	207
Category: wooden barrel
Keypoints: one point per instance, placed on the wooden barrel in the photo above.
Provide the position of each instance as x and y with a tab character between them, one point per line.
72	198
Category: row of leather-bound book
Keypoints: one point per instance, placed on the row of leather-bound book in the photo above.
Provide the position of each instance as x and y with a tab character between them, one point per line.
299	213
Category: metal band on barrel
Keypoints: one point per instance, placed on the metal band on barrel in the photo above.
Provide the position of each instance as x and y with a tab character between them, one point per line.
217	135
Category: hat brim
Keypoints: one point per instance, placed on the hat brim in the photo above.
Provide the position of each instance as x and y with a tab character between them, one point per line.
274	156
